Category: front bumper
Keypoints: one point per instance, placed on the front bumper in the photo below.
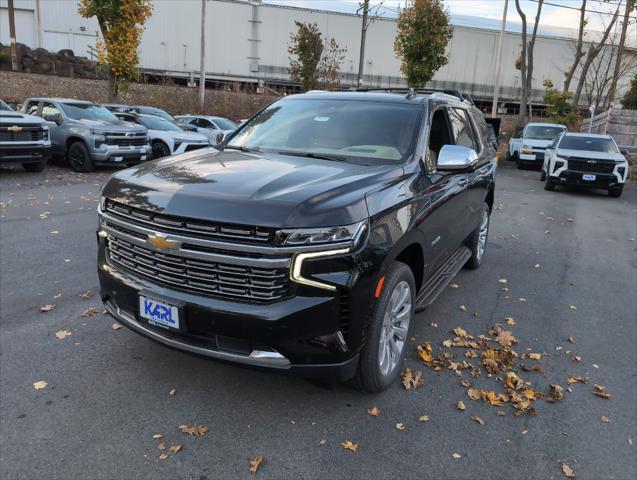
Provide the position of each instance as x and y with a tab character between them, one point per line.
535	157
570	177
24	153
114	154
297	334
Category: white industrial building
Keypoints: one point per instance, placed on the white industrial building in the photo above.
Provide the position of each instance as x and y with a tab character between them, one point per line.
247	42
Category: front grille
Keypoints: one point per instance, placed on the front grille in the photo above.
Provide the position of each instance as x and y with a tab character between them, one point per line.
585	165
188	226
344	307
29	133
122	141
198	276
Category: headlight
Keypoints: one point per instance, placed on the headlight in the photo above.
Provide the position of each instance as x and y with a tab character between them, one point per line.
102	205
526	150
320	236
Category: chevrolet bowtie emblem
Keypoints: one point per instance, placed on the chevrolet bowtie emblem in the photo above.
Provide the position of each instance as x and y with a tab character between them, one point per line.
161	242
15	129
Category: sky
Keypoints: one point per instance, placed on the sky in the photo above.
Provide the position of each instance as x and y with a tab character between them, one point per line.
564	13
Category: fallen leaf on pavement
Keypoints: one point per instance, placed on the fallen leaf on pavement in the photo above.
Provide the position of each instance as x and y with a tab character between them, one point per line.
570	339
446	343
556	393
254	463
506	338
601	392
511	380
161	446
172	392
423	418
572	307
454	285
474	394
89	312
535	356
460	405
400	426
411	380
157	436
463	308
63	334
47	308
575	379
424	352
477	419
86	295
116	326
163	456
604	419
500	413
456	455
502	280
40	385
348	445
322	441
568	471
374	411
196	430
460	332
509	321
175	448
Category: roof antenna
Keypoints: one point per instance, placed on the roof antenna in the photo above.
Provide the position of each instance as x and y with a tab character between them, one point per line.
410	93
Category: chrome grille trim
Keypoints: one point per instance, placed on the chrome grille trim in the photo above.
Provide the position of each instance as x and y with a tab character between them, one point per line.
208	278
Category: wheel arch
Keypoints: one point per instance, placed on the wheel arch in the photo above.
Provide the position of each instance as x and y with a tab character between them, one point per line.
74	139
410	251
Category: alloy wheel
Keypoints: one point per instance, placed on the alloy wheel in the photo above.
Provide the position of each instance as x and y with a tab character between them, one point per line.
393	335
484	232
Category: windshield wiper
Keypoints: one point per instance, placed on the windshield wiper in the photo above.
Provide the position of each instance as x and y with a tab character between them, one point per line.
319	156
242	148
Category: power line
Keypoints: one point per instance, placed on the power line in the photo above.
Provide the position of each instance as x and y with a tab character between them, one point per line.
579	9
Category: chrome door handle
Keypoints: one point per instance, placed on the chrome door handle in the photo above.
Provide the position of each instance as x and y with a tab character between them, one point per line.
462	183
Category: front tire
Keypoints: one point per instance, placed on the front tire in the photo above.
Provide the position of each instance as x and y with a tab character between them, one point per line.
477	242
549	184
542	175
78	158
381	359
160	150
616	192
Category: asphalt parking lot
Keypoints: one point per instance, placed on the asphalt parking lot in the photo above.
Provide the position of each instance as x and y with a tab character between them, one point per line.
570	264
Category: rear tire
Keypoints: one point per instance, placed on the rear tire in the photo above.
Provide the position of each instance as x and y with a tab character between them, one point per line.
34	167
160	150
477	241
78	158
381	359
616	192
549	184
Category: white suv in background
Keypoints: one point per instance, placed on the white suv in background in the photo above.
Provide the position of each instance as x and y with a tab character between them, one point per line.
587	160
528	148
215	128
165	137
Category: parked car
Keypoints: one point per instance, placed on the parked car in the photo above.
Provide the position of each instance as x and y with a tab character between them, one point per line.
165	137
307	241
24	139
215	128
527	147
88	134
158	112
585	159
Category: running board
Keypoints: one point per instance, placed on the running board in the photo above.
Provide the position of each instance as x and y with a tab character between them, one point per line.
441	278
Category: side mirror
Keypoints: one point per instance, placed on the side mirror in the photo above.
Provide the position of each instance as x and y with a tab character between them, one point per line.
624	151
56	118
455	157
221	136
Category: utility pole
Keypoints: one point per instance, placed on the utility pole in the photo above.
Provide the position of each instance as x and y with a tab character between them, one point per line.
38	23
202	74
620	50
361	59
498	62
14	48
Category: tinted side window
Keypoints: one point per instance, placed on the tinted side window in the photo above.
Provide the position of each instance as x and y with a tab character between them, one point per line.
32	108
49	109
203	123
462	131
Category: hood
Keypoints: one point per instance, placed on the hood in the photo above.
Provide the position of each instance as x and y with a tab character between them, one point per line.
182	135
109	125
16	118
268	190
617	157
536	143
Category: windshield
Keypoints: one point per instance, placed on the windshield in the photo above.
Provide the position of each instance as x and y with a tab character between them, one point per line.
537	132
158	123
87	111
158	112
225	124
349	129
591	144
5	107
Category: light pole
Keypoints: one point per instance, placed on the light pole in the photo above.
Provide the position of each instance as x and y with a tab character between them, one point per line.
361	59
202	73
498	61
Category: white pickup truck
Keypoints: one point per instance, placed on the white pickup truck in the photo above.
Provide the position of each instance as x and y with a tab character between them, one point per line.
528	146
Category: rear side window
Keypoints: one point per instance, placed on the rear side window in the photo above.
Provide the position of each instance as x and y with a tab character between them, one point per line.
462	130
32	108
49	109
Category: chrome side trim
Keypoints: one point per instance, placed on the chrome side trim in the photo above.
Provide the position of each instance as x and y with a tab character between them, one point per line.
256	357
220	245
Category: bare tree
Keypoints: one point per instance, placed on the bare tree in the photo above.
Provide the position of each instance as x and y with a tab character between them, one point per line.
578	48
526	57
630	4
593	51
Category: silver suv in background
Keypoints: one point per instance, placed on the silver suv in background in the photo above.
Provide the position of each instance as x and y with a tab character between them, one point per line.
215	128
585	160
23	139
88	134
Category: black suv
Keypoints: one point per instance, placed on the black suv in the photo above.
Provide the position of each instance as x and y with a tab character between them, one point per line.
307	241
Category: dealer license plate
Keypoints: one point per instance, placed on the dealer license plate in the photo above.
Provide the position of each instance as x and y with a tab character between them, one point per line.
158	313
588	177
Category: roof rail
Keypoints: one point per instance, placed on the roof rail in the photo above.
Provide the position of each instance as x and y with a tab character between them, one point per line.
410	91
